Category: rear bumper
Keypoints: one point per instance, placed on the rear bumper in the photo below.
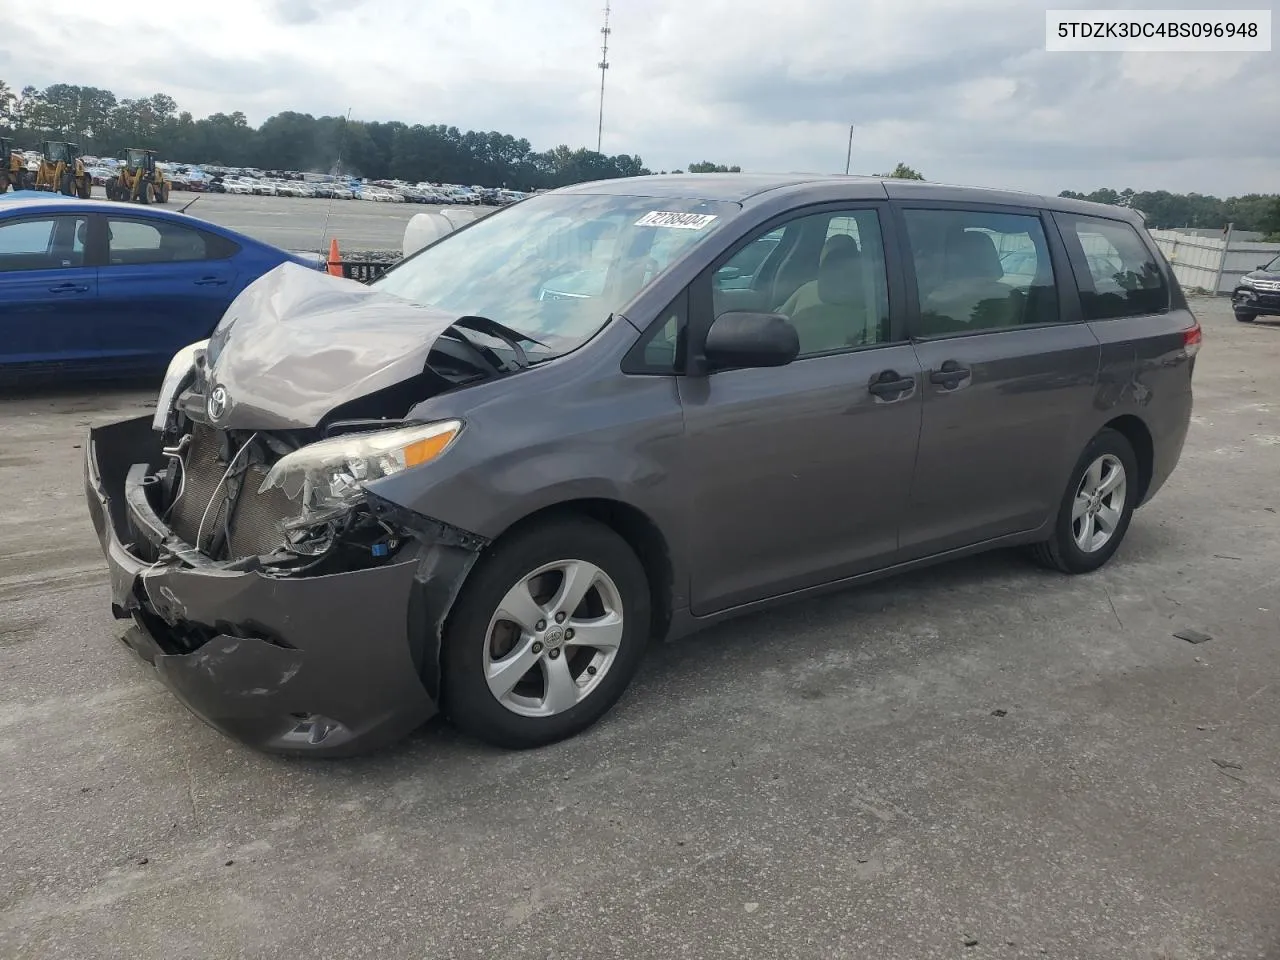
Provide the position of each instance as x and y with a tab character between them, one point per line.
324	665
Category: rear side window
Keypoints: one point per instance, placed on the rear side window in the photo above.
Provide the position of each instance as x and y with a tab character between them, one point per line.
979	270
138	242
1117	272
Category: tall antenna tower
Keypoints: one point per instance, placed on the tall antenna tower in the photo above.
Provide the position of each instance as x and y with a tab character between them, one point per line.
603	65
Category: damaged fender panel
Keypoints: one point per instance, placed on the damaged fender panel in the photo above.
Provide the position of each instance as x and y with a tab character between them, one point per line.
324	665
442	570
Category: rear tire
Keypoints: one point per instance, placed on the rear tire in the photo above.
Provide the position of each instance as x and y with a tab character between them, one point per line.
528	678
1099	499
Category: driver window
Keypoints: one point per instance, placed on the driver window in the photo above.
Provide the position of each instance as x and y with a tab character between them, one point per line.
824	272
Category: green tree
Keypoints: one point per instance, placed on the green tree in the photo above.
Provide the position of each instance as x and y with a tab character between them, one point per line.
706	166
902	172
7	99
1270	222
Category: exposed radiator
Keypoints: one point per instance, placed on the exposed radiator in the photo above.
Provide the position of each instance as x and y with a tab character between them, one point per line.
256	522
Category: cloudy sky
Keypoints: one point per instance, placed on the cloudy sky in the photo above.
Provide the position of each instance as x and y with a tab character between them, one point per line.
963	90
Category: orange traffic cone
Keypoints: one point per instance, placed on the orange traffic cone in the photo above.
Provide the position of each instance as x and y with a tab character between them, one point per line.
335	258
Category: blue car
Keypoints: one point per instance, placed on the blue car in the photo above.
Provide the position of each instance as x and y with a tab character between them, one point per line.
93	288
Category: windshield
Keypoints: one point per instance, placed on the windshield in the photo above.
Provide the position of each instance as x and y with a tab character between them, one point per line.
1273	266
555	267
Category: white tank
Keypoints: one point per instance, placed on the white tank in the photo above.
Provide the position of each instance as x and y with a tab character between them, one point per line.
425	228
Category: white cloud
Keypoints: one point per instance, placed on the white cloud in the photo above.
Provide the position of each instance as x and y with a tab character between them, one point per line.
961	89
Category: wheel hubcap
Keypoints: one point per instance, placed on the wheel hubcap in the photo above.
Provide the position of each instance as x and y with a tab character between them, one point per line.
1099	503
553	638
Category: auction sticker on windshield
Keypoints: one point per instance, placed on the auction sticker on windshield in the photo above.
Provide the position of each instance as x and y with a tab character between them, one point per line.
678	221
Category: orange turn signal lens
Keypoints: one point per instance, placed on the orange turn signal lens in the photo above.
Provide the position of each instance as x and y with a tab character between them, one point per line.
421	451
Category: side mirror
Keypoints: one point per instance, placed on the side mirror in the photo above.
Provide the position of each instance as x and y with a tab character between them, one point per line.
1263	266
728	273
739	338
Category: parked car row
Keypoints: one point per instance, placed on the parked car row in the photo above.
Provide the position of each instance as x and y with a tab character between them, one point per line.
280	183
377	191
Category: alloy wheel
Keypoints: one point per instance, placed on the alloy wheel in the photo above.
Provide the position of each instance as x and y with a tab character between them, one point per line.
1099	503
553	638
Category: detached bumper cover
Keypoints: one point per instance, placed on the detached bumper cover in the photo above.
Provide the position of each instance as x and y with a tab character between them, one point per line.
324	665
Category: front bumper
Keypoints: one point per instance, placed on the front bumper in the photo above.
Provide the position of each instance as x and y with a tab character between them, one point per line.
1261	301
321	665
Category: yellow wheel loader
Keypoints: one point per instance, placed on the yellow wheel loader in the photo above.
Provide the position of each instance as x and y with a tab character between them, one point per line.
13	167
62	171
139	179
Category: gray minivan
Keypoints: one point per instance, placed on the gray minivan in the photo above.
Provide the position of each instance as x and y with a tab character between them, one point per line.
623	410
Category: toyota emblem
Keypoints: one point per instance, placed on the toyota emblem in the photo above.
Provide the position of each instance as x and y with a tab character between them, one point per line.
217	405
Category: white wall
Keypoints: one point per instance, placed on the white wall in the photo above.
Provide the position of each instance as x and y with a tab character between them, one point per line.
1197	260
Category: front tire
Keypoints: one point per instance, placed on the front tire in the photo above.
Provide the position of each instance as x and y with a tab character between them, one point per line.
1245	316
1096	508
547	633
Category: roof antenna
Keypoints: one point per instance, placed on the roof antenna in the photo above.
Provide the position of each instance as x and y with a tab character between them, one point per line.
188	206
337	172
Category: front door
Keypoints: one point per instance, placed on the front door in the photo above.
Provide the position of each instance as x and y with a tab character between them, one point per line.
164	285
798	475
49	307
1008	373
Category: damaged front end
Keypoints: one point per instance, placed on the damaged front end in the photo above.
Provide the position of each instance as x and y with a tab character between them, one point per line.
279	596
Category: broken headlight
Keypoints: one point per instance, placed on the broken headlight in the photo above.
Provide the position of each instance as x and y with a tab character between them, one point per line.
328	477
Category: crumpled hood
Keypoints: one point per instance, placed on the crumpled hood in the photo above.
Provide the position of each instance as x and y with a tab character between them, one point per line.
296	343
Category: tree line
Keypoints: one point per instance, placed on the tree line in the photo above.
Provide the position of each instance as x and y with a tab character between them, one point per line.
1167	211
104	125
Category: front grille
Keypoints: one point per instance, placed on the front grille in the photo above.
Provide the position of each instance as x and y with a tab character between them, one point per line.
256	522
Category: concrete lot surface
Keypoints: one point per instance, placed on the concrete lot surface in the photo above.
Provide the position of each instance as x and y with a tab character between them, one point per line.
828	780
299	223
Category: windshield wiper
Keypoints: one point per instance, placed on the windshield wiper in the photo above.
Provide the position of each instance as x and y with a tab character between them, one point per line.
498	331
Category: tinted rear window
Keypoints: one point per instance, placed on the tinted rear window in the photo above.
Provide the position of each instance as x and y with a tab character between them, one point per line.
1117	272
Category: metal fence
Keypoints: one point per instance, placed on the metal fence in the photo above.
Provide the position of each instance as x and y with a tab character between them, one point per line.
1216	263
365	271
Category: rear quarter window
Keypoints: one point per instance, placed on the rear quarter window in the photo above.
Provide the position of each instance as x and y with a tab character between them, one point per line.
1117	273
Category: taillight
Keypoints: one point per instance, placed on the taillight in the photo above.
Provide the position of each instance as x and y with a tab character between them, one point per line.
1191	339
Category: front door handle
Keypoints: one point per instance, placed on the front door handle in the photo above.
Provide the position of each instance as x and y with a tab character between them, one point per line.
69	288
210	282
890	382
949	375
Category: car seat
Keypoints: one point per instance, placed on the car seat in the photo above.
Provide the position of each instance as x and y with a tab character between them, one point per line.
971	294
807	294
839	319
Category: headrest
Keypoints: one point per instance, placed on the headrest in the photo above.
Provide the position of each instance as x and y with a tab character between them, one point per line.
972	255
838	241
840	275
